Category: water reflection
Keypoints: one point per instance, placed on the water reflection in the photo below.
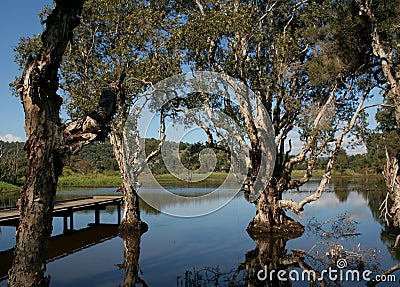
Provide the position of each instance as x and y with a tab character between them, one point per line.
270	254
131	260
66	244
373	190
260	268
174	245
185	201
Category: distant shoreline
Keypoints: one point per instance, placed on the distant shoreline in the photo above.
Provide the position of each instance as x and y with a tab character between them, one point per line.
113	179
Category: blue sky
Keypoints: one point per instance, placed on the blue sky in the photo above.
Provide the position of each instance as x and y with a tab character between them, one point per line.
18	18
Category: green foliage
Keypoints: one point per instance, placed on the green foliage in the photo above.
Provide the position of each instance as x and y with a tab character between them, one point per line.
71	179
114	36
189	157
384	138
6	187
97	157
13	162
342	161
377	144
385	116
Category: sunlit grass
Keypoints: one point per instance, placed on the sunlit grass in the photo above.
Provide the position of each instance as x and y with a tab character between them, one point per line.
71	179
8	187
90	180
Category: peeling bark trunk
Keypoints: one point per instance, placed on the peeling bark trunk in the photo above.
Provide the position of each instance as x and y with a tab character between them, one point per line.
49	143
271	217
131	220
392	180
38	92
37	200
391	71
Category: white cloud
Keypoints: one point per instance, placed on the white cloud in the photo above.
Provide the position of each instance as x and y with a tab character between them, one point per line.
297	144
10	138
352	146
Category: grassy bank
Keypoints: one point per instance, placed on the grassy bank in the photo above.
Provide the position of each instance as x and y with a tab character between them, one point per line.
195	180
71	180
8	187
320	173
108	179
112	179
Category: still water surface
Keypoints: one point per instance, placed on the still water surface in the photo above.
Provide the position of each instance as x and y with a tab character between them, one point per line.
175	248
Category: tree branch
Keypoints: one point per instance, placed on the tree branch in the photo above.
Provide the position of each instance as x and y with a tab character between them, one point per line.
95	126
297	207
311	140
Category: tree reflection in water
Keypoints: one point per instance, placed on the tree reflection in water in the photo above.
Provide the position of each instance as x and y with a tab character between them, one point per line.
131	259
270	252
262	264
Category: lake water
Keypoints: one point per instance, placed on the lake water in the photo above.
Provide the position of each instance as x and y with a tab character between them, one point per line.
215	248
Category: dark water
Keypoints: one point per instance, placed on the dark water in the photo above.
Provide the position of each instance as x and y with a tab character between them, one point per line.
203	250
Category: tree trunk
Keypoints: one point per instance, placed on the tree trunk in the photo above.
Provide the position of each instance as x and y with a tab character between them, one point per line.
391	71
270	217
41	103
392	180
131	219
37	201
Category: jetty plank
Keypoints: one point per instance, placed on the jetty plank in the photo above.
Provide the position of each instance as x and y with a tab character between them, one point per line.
62	208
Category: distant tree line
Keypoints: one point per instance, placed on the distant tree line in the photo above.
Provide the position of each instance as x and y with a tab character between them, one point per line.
99	157
13	162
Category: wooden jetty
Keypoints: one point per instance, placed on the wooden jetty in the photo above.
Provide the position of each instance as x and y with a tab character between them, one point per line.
66	209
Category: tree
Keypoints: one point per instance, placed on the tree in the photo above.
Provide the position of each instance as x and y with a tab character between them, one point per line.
342	161
118	36
289	53
382	18
49	142
11	161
